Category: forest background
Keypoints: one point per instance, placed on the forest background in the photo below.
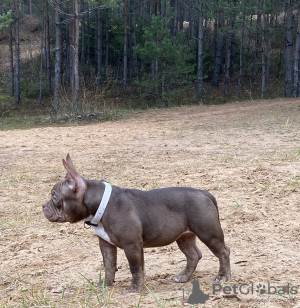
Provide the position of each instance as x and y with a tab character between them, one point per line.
81	58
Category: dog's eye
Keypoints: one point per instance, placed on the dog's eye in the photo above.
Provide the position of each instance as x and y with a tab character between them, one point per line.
54	197
57	203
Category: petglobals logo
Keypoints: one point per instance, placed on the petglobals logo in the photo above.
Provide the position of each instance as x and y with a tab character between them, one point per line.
250	289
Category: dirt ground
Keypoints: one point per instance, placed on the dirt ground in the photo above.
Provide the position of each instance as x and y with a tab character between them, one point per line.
246	154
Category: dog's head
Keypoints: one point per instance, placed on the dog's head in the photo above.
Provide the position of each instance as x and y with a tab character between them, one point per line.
66	203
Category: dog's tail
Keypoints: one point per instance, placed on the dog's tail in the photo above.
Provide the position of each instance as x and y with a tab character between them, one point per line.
213	199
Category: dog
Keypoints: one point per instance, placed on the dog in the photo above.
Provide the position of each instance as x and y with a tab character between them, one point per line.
133	219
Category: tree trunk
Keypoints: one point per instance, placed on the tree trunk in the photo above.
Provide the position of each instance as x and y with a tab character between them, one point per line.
132	43
241	56
125	45
106	45
256	46
218	52
41	62
200	52
11	61
269	49
88	56
228	61
297	59
66	54
82	54
232	49
17	53
48	51
263	59
99	48
76	58
57	84
289	49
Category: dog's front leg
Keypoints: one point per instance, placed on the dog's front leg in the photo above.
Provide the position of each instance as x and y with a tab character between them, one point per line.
135	257
109	254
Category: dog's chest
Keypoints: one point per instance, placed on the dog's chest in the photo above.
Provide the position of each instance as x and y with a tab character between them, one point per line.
99	230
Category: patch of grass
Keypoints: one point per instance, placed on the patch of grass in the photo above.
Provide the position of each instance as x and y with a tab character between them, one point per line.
241	123
293	183
289	155
261	187
158	301
236	204
179	129
26	294
23	121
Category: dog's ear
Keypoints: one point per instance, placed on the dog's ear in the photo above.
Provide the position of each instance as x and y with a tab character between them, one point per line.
69	161
74	180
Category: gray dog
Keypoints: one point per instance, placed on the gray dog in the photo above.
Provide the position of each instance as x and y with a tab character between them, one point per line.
135	219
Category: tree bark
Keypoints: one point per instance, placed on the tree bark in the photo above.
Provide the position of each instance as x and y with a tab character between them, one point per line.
57	84
70	53
41	61
125	44
106	45
241	56
17	53
289	50
99	48
11	61
218	51
297	59
132	43
263	59
75	98
256	46
82	54
200	52
88	56
269	49
48	51
228	62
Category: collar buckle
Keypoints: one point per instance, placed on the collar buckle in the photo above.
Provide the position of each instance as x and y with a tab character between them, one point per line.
88	224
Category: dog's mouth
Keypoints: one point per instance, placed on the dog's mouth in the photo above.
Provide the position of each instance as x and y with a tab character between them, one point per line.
52	215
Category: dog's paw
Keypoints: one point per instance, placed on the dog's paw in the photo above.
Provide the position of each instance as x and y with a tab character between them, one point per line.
133	289
222	278
180	278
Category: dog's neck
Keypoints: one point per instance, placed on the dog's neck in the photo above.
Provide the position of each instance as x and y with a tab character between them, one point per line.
93	195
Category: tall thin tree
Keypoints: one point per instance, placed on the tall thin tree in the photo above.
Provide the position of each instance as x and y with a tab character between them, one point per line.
75	92
241	54
218	49
41	62
289	49
200	51
99	47
17	52
48	48
125	49
297	59
58	60
11	61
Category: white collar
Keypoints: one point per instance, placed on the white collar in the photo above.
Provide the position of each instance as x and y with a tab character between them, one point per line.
101	209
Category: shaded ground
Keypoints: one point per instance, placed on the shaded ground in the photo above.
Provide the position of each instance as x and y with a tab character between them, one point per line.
246	154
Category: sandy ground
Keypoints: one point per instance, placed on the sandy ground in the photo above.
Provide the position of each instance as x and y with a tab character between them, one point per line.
246	154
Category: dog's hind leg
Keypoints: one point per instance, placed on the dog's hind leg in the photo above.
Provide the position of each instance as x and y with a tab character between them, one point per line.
214	240
187	244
